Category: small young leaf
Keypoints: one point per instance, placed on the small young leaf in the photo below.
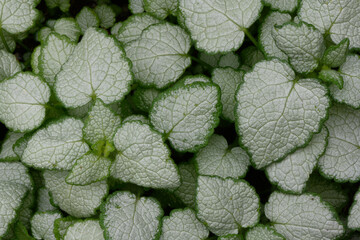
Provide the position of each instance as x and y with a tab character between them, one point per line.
35	60
226	205
350	72
88	169
161	8
183	224
64	5
251	55
133	27
139	118
126	216
302	217
22	100
17	15
85	230
282	5
228	80
341	158
276	113
292	173
187	190
159	56
339	19
303	44
42	225
11	198
143	157
219	26
68	27
187	115
266	39
54	53
216	159
329	191
97	68
136	6
335	55
8	65
21	232
144	97
101	124
263	232
78	201
332	77
106	15
230	59
87	18
56	146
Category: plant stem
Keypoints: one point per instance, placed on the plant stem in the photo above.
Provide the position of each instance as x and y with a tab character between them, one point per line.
201	62
3	40
251	37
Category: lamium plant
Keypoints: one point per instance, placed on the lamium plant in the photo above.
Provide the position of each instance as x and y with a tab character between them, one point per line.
180	119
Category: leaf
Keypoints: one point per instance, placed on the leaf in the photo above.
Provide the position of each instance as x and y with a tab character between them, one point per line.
17	15
335	55
106	15
26	210
219	160
8	65
192	79
302	217
267	40
183	224
54	53
78	201
21	232
22	101
107	77
276	113
143	158
144	97
339	19
226	205
125	216
251	55
186	192
332	77
101	123
42	225
115	29
292	173
263	232
136	6
282	5
329	191
15	172
216	26
7	153
85	230
341	158
159	56
161	9
229	60
88	169
133	26
87	18
187	115
10	41
64	5
350	73
139	118
56	146
302	43
35	60
228	80
43	201
353	218
68	27
11	198
61	225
